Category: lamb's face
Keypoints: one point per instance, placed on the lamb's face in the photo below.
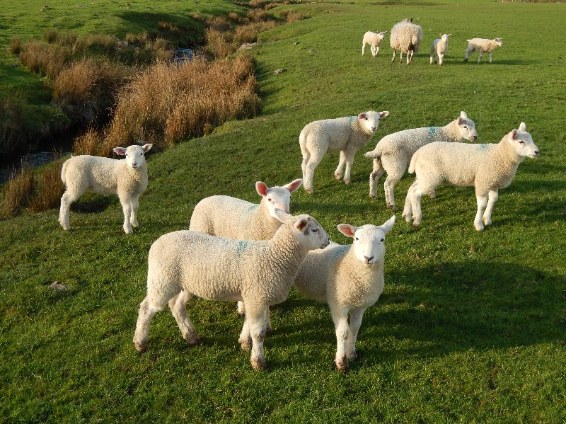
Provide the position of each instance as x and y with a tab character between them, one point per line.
316	236
277	198
523	143
370	120
135	155
368	240
467	129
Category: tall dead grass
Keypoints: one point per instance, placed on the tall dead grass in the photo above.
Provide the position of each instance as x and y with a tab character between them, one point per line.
43	58
49	189
18	192
168	103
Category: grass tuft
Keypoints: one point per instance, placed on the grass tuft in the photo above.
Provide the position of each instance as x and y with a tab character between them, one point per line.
18	192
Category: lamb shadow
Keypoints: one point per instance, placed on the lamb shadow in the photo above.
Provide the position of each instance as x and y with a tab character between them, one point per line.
444	308
95	204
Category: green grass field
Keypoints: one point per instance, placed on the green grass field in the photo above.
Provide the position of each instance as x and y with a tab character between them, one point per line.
471	326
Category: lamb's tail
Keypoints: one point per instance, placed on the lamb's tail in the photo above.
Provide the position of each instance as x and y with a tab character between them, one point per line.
413	164
374	154
63	172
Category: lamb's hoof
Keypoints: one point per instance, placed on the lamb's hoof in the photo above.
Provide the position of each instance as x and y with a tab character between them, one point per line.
352	356
338	177
245	345
372	196
342	365
407	218
479	227
258	364
392	207
135	224
347	181
140	346
268	331
128	230
309	190
417	226
193	340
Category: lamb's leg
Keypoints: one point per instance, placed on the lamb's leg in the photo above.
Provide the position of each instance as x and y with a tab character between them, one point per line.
146	313
401	56
134	205
374	177
241	308
482	203
493	195
417	194
66	200
242	312
393	58
127	209
340	318
490	57
256	321
178	306
395	171
356	316
341	163
440	59
479	55
363	47
408	209
349	157
309	172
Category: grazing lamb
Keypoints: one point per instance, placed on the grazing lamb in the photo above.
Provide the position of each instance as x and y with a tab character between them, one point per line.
393	152
438	49
482	45
230	217
127	178
487	167
374	40
344	134
348	278
184	264
406	37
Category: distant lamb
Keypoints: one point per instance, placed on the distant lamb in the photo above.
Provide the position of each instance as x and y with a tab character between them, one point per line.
346	135
127	178
184	264
405	37
482	45
393	152
438	49
374	40
487	167
349	279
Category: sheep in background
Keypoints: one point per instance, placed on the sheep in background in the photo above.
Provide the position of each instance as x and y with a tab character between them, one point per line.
374	40
127	178
438	49
346	135
406	37
482	45
487	167
183	264
349	279
393	152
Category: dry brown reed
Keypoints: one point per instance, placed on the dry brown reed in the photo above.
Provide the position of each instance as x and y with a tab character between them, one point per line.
18	192
50	188
44	58
15	45
92	142
249	33
168	103
218	43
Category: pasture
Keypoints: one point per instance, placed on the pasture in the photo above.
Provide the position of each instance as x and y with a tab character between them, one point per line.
470	327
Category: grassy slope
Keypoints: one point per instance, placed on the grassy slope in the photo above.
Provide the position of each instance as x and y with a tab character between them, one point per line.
470	326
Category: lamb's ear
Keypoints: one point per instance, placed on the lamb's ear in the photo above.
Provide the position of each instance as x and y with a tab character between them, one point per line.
294	185
513	135
119	151
147	147
261	188
301	224
384	114
463	115
347	229
523	127
388	225
362	115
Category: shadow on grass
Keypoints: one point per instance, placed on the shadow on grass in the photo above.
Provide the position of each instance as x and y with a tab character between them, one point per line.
95	204
444	308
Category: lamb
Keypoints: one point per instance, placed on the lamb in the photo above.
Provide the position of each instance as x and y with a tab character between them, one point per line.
374	40
438	49
349	279
230	217
127	178
183	264
487	167
346	135
393	152
482	45
406	37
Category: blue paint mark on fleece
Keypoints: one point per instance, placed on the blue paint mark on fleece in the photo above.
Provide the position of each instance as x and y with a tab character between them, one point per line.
242	246
432	131
482	146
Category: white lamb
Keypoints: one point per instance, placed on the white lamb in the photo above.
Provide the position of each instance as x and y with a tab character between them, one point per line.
482	45
230	217
127	178
350	279
487	167
346	135
438	49
183	264
393	152
374	40
406	37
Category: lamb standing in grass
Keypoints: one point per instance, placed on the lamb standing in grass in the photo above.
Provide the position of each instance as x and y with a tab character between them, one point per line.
393	152
374	40
183	264
348	278
346	135
438	49
482	45
127	178
487	167
405	37
230	217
